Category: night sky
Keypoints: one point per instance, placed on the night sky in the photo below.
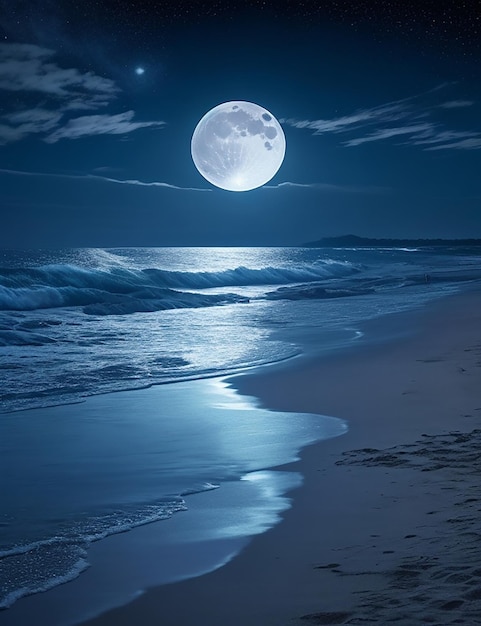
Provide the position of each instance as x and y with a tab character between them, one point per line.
380	103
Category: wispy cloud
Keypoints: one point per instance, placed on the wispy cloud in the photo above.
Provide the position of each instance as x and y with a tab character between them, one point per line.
445	137
329	187
302	185
31	72
28	122
457	104
388	133
95	177
89	125
413	118
471	143
391	112
27	67
140	183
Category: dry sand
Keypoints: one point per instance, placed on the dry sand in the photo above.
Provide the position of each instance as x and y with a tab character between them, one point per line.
387	526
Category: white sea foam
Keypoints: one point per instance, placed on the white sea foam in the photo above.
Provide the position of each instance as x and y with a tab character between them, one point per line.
41	565
31	588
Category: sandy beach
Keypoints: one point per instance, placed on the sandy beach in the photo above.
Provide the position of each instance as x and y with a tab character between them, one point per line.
386	527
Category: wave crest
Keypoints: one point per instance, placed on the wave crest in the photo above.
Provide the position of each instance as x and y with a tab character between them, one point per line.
121	291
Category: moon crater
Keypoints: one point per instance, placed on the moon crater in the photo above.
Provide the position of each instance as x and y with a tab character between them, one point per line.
238	146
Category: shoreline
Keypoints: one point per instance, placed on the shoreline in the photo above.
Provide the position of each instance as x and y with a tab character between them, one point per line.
357	526
231	441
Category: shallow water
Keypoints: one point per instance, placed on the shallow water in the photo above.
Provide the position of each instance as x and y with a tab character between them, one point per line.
75	474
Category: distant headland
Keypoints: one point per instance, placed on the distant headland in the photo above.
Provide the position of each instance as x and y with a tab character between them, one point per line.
353	241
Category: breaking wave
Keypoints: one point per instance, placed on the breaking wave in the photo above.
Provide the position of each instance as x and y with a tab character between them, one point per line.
118	291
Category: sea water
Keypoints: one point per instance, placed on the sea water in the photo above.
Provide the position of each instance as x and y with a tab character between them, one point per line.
77	467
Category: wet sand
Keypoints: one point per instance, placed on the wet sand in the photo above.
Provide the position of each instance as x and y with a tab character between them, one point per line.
386	526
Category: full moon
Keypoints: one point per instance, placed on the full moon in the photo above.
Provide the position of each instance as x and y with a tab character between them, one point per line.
238	146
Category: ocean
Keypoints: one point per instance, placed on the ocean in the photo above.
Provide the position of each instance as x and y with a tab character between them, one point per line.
80	463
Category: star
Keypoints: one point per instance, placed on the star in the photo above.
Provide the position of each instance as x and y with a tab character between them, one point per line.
139	71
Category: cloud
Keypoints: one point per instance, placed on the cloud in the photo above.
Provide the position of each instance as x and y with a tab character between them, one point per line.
89	125
414	118
303	185
9	134
28	122
27	67
140	183
387	113
387	133
456	104
33	116
471	143
329	187
117	181
30	72
445	137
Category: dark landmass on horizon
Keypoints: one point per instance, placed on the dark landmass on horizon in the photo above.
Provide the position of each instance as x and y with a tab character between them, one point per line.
349	241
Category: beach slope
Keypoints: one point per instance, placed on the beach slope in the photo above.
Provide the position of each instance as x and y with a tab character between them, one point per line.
386	526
